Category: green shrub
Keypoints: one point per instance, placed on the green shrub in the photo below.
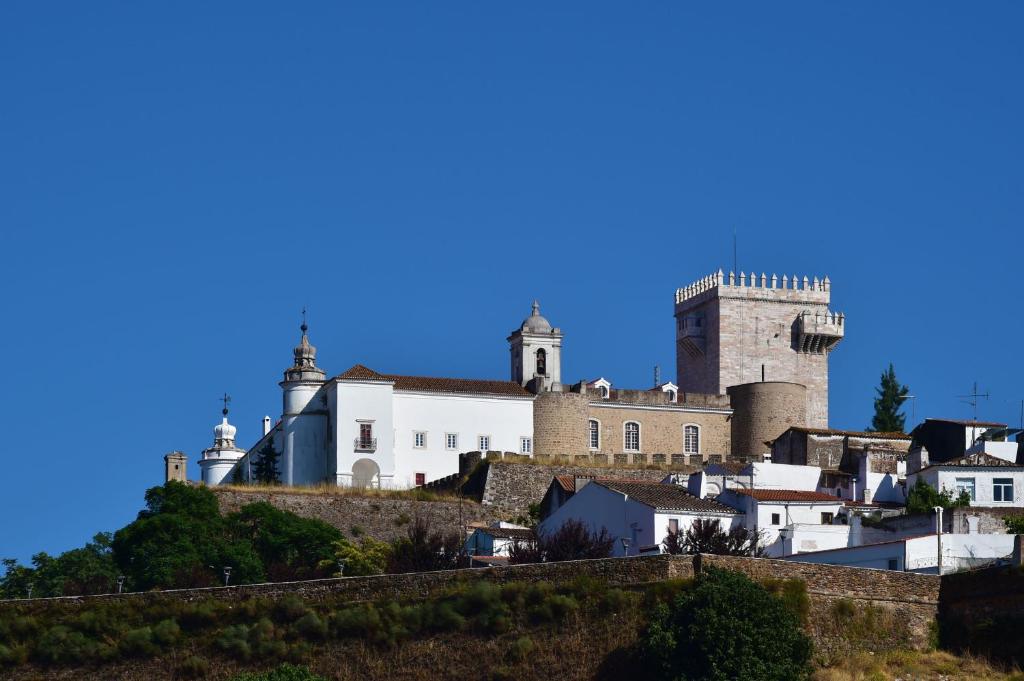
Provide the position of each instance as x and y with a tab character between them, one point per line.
290	608
234	641
193	667
197	616
666	591
137	643
725	627
310	627
843	609
360	621
792	593
12	655
520	648
62	645
99	622
613	601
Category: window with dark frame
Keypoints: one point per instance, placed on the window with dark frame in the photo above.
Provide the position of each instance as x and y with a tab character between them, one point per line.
595	434
827	518
1002	489
776	519
673	525
421	479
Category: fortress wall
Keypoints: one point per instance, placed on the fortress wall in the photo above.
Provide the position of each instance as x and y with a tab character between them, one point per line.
762	412
912	596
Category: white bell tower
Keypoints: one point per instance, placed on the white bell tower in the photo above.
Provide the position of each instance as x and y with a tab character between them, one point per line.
536	353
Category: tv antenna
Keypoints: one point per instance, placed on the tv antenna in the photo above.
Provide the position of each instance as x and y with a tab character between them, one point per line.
973	398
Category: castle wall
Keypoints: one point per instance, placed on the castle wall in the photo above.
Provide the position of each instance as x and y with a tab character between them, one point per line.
560	424
763	412
661	430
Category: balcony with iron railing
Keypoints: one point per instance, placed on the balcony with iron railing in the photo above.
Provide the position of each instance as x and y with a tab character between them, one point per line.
366	444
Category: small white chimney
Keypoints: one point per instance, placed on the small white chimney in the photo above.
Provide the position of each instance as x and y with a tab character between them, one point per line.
867	496
266	425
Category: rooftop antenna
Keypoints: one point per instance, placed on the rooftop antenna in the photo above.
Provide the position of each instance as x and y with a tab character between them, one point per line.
226	400
657	375
913	408
972	399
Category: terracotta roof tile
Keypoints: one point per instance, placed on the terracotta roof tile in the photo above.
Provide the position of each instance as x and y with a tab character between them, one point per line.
851	433
664	497
786	495
438	385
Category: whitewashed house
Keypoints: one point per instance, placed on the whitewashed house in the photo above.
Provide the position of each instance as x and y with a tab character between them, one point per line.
989	480
641	513
494	540
783	518
919	554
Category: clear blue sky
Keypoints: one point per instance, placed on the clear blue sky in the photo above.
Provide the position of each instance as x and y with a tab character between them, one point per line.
177	181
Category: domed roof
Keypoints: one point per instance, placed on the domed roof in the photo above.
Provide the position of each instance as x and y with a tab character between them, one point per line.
535	323
305	353
224	432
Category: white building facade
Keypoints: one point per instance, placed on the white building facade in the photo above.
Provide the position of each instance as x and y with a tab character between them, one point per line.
988	480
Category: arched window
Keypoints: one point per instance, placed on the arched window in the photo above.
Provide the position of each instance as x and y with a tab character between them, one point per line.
691	439
542	362
595	434
604	391
671	395
631	436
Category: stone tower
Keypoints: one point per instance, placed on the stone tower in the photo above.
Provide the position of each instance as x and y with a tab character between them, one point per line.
175	465
732	330
536	353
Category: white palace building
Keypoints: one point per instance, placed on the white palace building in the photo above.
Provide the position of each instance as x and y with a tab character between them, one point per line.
363	428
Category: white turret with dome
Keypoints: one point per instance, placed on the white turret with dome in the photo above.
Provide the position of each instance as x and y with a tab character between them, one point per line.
218	461
536	353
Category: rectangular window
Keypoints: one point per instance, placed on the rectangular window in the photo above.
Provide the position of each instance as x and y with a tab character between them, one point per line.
595	434
673	526
419	439
826	518
965	485
483	443
691	440
776	520
451	440
526	445
421	479
1002	489
632	437
893	564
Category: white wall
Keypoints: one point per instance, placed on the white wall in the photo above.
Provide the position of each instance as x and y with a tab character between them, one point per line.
758	517
661	522
919	554
945	478
304	433
870	556
504	419
356	401
784	476
596	507
1007	451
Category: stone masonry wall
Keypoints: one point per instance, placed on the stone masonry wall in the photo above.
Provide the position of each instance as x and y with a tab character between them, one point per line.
763	412
661	431
560	424
510	488
916	596
379	517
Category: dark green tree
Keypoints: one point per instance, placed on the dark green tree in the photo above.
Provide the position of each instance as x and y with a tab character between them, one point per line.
706	535
726	627
181	540
923	498
891	396
288	546
264	468
86	570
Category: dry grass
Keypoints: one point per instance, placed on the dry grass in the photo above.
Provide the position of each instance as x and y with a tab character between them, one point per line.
908	665
336	491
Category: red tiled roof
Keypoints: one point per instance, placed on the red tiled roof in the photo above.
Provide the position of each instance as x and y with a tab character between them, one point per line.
787	495
851	433
567	482
438	385
962	422
661	496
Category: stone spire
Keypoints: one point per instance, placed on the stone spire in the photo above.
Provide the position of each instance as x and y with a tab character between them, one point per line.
304	367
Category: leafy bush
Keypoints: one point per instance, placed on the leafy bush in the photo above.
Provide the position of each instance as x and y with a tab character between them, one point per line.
726	627
1014	524
572	541
62	645
521	648
290	608
194	667
12	655
310	627
706	535
923	498
138	643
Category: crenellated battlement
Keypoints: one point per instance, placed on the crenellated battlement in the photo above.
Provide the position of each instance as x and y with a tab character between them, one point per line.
752	281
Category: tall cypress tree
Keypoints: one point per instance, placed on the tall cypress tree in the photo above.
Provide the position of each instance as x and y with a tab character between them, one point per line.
891	396
264	469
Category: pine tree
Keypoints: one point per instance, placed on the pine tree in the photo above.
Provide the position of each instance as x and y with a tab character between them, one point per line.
264	469
891	396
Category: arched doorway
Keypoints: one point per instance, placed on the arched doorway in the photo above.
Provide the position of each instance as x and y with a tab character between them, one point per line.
365	473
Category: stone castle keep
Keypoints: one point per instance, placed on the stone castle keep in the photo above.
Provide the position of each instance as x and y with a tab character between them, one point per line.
752	360
754	329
